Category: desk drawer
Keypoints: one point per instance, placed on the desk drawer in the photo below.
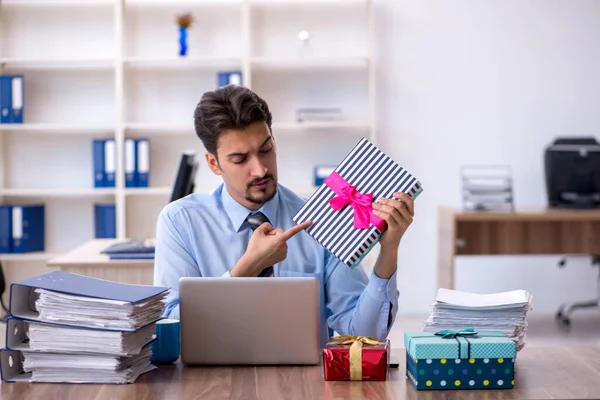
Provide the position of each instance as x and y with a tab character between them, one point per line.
527	237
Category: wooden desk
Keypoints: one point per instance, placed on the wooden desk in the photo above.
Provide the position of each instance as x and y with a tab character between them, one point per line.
537	231
541	373
88	260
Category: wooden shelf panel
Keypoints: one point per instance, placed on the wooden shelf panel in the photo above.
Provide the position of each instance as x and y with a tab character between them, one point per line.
526	237
528	214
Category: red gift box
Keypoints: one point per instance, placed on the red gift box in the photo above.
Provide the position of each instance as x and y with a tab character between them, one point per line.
356	358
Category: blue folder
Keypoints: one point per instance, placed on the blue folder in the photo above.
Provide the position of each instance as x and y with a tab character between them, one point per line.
110	163
142	158
28	228
5	99
225	78
130	162
16	112
132	256
5	228
105	221
98	164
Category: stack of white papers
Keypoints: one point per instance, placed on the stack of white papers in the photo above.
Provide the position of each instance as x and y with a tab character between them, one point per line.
62	308
64	339
85	368
504	312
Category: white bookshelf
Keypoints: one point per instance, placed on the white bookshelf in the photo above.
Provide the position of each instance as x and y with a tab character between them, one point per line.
110	69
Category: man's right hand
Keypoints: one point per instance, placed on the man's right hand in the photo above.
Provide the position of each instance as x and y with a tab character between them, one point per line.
267	246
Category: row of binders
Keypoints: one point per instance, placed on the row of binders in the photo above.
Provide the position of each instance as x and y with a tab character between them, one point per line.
137	162
11	99
22	228
71	328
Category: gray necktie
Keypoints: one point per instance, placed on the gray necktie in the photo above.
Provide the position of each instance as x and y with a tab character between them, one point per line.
255	220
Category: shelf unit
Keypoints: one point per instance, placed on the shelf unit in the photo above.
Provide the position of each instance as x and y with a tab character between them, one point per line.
110	69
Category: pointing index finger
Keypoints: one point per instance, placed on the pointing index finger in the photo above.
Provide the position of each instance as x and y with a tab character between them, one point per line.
295	229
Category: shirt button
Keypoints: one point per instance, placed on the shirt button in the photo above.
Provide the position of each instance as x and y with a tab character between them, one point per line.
379	289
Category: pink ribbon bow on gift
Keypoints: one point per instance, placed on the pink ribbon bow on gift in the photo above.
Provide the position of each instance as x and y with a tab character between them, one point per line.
361	203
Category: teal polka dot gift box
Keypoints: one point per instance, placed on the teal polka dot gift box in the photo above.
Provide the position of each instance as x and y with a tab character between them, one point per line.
462	359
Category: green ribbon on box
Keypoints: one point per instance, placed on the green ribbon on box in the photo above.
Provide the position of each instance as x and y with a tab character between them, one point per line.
464	344
453	334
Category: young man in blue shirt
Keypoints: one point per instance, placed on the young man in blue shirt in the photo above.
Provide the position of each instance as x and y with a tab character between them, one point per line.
245	227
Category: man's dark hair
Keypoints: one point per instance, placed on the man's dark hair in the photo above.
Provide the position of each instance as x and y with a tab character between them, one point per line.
229	107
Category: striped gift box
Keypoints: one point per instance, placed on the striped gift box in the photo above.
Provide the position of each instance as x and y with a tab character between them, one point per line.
365	175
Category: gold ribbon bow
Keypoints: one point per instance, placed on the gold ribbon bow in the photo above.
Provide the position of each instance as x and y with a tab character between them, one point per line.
356	343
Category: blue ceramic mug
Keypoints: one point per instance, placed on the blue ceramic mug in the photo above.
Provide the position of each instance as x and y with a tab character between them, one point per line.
166	347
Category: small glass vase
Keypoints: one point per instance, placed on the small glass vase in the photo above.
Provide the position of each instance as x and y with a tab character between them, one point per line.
183	47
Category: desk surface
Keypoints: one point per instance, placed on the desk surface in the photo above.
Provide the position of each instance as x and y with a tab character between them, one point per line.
89	255
541	373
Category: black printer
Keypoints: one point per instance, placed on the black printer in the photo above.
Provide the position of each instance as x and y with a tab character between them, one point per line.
572	168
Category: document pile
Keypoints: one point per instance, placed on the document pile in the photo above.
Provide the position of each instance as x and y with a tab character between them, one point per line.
132	249
319	114
71	328
505	312
487	188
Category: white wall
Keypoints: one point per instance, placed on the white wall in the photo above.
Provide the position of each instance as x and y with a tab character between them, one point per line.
493	82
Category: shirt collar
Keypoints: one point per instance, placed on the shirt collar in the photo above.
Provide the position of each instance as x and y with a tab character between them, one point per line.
237	213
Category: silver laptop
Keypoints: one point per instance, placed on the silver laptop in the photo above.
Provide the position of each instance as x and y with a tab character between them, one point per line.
251	321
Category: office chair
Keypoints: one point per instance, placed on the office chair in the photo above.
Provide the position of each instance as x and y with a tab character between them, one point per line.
563	314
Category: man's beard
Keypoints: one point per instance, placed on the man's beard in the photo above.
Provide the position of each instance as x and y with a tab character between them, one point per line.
263	199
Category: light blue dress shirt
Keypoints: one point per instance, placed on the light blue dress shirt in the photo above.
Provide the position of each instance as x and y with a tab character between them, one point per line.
206	234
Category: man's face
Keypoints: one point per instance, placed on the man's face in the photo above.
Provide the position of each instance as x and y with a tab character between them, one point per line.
247	163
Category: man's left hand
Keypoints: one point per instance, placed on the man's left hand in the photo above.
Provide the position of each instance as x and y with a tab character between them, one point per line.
398	214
